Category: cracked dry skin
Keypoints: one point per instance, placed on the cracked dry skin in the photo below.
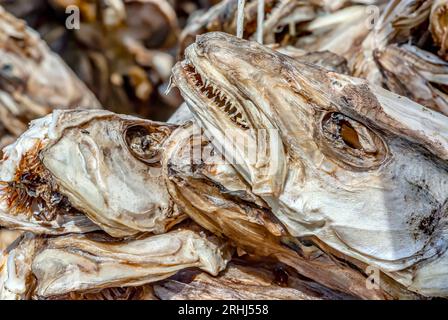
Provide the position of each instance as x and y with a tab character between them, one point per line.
216	197
79	171
359	170
46	268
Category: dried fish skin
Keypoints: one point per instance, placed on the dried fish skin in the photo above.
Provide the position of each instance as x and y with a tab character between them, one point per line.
394	172
416	74
439	26
106	166
76	263
34	81
30	200
243	282
16	280
341	32
286	14
213	194
211	175
325	59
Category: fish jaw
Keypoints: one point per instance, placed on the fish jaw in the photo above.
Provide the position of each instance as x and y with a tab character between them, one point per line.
103	165
239	128
365	167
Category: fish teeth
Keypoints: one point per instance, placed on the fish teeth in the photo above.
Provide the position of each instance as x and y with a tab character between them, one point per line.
233	115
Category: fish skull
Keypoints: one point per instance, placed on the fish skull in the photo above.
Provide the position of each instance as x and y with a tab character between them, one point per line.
98	163
359	168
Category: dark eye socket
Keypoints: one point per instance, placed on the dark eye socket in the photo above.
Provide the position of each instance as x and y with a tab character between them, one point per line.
144	142
350	142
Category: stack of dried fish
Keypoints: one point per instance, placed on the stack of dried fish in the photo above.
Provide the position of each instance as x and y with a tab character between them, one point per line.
399	44
120	49
33	80
294	173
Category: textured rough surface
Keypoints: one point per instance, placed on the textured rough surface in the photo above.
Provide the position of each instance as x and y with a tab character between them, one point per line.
243	282
284	175
99	164
352	170
78	265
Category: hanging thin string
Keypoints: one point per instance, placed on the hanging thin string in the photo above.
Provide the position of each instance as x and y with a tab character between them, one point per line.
240	19
260	20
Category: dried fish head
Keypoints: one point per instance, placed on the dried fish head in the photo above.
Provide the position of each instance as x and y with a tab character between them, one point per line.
366	169
78	263
220	101
96	265
214	195
29	198
104	165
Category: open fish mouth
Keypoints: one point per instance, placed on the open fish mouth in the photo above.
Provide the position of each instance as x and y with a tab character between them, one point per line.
32	189
30	197
63	176
208	92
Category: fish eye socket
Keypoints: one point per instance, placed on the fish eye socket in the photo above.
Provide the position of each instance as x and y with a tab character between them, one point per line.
351	143
144	142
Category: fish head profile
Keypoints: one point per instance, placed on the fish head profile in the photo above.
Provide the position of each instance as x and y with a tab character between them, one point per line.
104	165
366	169
219	87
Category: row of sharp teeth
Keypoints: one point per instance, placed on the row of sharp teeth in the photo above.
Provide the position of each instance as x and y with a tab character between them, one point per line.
220	100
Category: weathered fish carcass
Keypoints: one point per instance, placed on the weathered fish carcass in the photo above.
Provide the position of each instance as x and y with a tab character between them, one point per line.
74	167
38	267
357	169
215	195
